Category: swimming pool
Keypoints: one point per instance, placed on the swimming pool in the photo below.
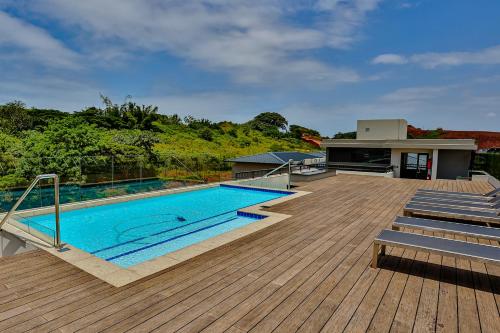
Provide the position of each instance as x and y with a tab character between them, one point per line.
131	232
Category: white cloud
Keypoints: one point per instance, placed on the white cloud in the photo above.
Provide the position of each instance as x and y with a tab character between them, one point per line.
408	5
389	58
50	91
488	56
413	94
253	41
20	40
449	106
344	19
430	60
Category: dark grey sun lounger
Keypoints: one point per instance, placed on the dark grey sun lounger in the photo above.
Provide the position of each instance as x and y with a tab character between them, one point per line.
465	194
485	200
454	203
485	216
453	228
441	246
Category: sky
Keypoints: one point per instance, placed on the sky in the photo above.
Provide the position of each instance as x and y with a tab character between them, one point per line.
322	64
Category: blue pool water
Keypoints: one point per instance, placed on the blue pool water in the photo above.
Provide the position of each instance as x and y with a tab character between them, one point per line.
131	232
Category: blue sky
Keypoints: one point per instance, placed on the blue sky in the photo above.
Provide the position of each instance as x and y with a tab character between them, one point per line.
322	64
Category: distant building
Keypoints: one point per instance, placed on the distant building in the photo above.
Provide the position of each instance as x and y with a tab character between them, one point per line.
382	146
260	163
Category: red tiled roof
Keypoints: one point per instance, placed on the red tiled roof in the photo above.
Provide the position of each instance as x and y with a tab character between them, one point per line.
312	140
484	139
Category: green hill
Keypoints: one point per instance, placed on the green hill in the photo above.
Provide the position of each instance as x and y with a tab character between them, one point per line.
34	141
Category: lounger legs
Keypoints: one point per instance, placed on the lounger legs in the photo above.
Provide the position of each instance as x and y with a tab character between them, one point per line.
376	248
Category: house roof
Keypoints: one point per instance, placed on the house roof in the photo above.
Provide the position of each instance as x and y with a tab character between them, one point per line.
483	139
278	157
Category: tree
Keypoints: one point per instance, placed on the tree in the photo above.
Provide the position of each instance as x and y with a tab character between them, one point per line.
42	117
206	134
10	151
132	142
345	135
233	132
138	116
14	117
197	124
270	119
59	148
128	115
169	120
297	132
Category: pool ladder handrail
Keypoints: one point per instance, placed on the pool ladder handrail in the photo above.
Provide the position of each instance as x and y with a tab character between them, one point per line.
57	241
289	163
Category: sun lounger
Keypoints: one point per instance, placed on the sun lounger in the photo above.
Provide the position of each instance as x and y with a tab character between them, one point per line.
484	200
455	203
455	213
441	246
492	193
453	228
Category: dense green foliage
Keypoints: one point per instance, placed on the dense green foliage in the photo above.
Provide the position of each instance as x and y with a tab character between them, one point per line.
14	118
33	141
270	123
345	135
489	162
298	131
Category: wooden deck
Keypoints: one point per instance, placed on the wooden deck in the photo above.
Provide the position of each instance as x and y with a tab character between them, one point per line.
309	273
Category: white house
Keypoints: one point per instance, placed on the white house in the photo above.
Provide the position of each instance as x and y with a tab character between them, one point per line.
382	145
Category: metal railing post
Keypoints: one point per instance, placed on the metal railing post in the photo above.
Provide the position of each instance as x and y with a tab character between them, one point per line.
140	169
56	207
289	173
112	171
57	241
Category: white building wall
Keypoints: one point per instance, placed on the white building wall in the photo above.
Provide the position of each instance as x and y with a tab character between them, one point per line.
382	129
435	159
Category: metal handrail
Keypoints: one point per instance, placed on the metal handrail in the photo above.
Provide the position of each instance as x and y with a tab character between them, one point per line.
188	169
289	163
276	169
57	241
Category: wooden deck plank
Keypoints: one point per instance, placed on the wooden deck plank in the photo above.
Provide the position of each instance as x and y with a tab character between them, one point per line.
227	304
340	318
425	320
486	304
468	317
311	292
308	273
234	313
386	308
446	320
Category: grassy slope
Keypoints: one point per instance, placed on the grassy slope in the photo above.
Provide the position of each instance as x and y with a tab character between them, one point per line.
186	141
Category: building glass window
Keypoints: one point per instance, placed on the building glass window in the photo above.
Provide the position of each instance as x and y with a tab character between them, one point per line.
379	156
